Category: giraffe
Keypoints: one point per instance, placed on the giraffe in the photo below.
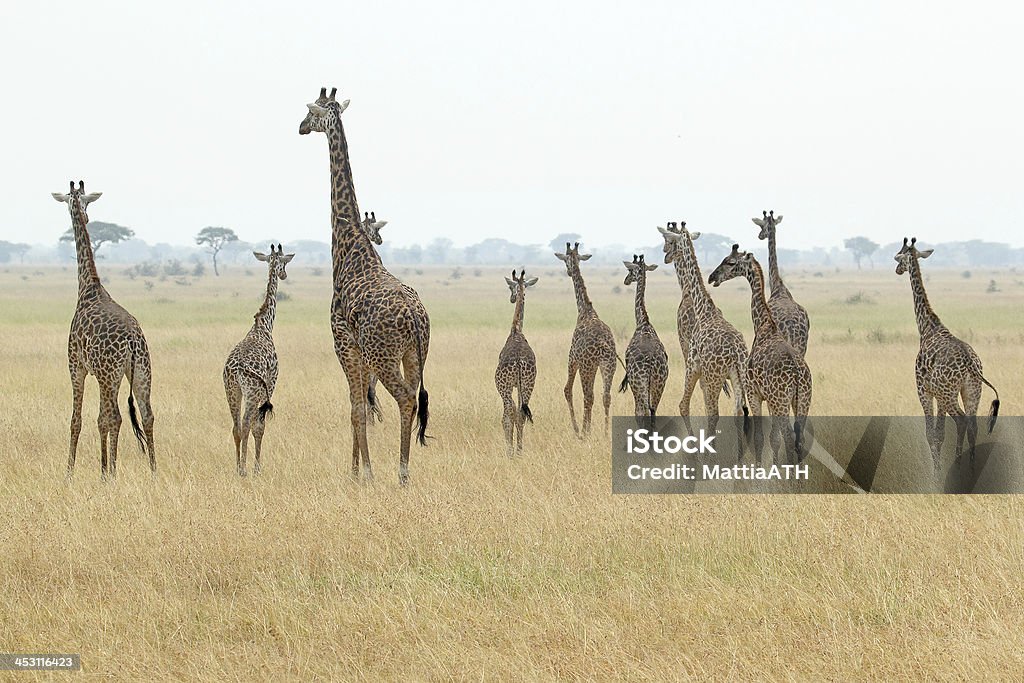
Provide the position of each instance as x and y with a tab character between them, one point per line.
380	326
716	351
105	341
789	316
371	226
517	367
592	347
946	367
646	360
776	371
250	373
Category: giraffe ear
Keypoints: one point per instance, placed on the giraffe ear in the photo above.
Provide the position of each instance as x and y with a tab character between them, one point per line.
344	106
90	198
316	109
59	197
758	222
560	257
628	264
925	254
652	266
585	257
380	224
260	256
531	282
694	235
510	283
287	258
778	219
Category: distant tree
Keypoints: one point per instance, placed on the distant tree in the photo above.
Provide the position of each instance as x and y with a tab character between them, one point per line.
558	244
437	250
8	249
19	249
861	247
214	240
712	247
100	233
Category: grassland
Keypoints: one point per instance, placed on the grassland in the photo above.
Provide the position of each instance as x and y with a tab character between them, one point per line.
484	567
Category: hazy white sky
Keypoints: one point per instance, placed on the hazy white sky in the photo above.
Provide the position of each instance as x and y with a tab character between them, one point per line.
520	120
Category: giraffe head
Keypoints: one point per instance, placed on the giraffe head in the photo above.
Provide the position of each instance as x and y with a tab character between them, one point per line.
767	223
372	226
908	253
635	268
674	243
77	198
323	113
276	261
572	258
518	285
736	264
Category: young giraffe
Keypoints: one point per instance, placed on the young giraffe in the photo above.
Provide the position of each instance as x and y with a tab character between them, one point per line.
517	367
789	316
380	327
105	341
592	347
776	371
716	351
946	367
371	226
250	373
646	360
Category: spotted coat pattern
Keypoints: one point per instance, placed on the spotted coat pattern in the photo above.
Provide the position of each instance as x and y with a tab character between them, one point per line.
250	373
789	316
646	359
592	348
380	326
947	369
776	371
517	368
105	341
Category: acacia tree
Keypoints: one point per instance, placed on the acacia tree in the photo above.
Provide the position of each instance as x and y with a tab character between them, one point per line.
558	244
214	239
861	247
100	233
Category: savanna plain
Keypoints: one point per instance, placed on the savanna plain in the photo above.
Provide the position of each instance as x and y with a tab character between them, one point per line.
485	567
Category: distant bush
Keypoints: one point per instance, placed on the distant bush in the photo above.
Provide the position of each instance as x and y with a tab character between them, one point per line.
173	268
198	270
859	298
283	296
992	287
966	275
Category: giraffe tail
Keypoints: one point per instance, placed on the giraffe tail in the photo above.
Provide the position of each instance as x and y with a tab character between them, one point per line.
619	358
371	400
524	407
624	384
993	412
133	414
266	409
422	399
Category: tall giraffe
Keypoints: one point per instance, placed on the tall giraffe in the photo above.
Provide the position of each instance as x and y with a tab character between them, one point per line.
776	372
105	341
250	373
380	327
646	360
946	367
517	367
592	347
789	316
717	351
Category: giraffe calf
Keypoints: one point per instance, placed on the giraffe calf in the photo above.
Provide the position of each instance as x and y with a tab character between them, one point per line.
250	372
517	368
646	360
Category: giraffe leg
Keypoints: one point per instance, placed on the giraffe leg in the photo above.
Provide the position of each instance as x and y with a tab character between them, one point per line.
105	422
405	395
359	385
234	395
508	418
689	384
754	402
142	381
568	396
114	432
781	432
951	407
259	425
711	390
587	377
78	375
527	378
928	407
251	399
939	436
607	378
970	393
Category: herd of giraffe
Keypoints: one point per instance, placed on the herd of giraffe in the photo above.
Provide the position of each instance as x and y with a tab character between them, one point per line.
381	335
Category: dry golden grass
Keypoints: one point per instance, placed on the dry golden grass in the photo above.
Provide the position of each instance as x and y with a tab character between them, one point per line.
484	567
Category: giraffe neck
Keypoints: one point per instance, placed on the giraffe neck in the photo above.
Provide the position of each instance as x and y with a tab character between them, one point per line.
692	282
517	316
88	278
638	304
681	277
773	264
583	304
265	316
927	321
347	235
759	310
